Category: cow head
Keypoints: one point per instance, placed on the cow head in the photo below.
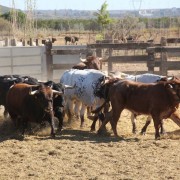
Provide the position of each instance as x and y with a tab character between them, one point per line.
43	96
92	62
173	85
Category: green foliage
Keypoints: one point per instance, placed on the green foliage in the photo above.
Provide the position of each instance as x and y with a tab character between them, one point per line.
99	37
103	17
21	17
68	24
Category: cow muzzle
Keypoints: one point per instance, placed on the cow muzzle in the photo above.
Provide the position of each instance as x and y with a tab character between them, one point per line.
49	110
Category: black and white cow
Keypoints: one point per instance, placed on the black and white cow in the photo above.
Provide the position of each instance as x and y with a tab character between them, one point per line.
86	83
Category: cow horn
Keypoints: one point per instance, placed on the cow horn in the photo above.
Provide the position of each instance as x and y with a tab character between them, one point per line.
83	60
57	92
33	92
68	86
170	78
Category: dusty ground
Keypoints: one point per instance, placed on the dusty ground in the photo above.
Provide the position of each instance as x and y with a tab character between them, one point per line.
81	154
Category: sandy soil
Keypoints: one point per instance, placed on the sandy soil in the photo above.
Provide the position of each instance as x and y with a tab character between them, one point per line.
81	154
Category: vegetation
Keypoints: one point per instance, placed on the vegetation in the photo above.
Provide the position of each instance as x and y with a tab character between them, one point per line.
115	27
103	17
20	20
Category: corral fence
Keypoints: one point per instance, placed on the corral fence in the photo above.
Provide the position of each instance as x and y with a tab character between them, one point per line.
23	61
49	62
159	58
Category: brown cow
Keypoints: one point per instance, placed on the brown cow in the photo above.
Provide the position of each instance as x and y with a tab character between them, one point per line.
91	62
160	100
31	103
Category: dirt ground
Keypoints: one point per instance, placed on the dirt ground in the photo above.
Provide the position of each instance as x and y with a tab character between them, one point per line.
83	155
80	154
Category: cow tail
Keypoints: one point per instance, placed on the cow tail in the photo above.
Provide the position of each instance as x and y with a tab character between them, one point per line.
97	110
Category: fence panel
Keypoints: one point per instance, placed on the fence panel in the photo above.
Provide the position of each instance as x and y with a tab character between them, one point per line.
23	61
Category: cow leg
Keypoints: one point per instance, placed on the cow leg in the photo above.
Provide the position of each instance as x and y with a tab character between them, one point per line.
5	112
50	119
76	108
83	108
52	128
108	117
88	111
25	124
114	120
157	124
148	121
133	121
59	113
163	131
93	125
69	107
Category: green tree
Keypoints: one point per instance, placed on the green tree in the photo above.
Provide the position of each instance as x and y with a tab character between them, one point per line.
21	17
103	17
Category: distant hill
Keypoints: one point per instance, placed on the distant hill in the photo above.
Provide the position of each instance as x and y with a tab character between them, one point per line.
4	9
84	14
87	14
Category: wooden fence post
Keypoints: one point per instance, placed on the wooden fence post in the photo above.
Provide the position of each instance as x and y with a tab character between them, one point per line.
37	42
163	66
110	62
6	41
23	42
99	54
151	61
49	60
13	42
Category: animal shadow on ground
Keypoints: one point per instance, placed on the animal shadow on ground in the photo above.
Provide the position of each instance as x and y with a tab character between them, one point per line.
8	131
173	135
84	135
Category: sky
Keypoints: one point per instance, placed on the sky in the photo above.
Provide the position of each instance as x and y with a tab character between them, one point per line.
94	4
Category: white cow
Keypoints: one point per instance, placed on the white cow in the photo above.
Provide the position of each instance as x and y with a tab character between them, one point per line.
86	83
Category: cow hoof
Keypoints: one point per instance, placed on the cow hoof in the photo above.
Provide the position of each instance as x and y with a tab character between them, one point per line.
134	131
164	133
103	132
157	138
142	133
92	130
53	136
99	132
82	125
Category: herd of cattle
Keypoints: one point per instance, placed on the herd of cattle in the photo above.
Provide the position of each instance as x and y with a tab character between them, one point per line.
85	87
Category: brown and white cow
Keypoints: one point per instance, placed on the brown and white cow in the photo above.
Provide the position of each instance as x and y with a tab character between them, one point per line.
160	100
31	103
91	62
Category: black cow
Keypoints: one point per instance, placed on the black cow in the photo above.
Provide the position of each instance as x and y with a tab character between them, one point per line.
58	107
6	81
71	39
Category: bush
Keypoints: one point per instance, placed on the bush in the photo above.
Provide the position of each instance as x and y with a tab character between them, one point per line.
5	25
